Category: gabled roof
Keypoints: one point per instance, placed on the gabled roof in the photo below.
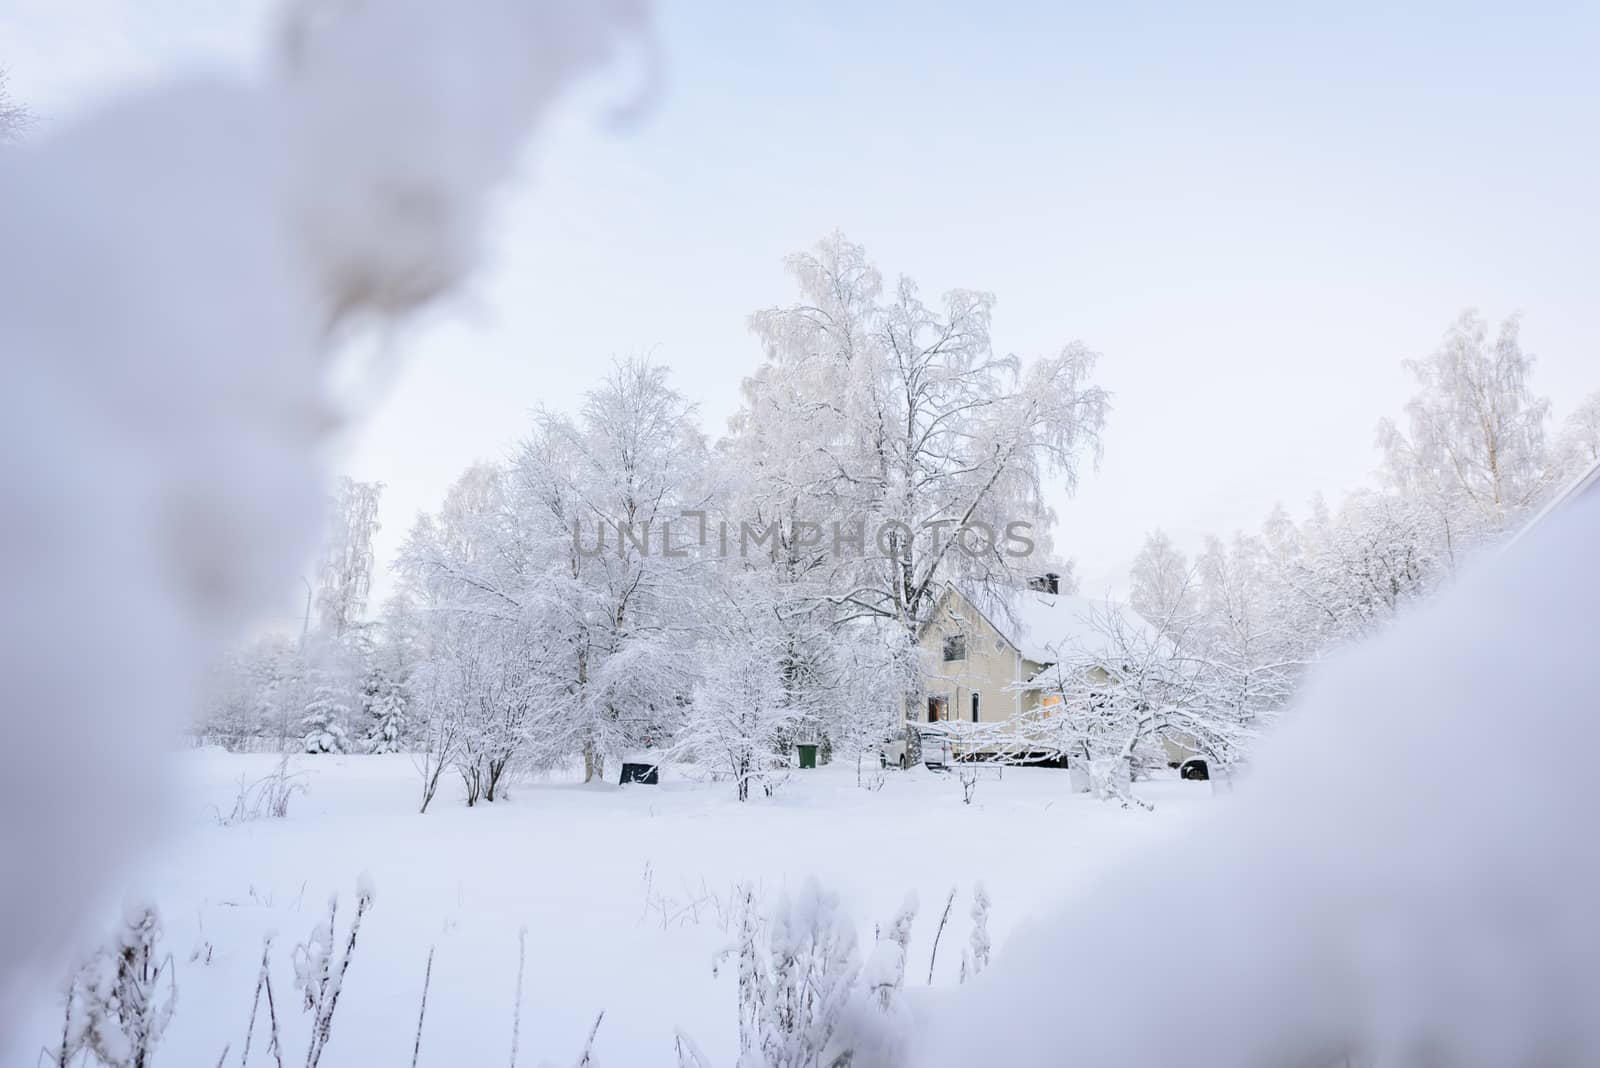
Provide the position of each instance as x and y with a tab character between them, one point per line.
1050	627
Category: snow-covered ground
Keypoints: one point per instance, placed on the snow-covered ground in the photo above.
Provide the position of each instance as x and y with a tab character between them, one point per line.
627	895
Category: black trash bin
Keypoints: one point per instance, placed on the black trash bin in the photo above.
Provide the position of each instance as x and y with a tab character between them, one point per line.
1196	770
645	774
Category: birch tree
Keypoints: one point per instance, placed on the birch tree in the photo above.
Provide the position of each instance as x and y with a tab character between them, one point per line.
1473	447
1161	581
345	573
559	554
883	413
612	483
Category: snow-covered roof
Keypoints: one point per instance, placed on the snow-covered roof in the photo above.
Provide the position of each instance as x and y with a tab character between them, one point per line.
1051	627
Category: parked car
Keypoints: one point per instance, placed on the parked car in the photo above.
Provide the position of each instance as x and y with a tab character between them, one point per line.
937	752
895	750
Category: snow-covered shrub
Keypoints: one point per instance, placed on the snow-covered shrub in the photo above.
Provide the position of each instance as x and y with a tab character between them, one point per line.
320	967
266	798
120	1001
885	972
800	983
968	776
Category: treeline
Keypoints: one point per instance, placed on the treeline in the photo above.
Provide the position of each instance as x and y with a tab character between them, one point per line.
881	449
1470	460
517	646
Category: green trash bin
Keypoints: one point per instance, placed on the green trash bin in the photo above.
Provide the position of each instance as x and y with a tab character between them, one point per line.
808	755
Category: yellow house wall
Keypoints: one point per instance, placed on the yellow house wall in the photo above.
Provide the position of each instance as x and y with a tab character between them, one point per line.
991	669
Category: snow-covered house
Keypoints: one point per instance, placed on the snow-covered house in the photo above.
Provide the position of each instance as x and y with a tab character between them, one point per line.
977	664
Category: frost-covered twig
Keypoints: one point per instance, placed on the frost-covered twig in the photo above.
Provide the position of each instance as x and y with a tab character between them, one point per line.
123	1012
586	1059
315	972
64	1054
255	1002
275	1045
422	1010
969	782
689	1054
944	918
516	1010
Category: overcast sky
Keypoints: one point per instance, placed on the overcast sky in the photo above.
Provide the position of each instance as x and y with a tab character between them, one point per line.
1253	214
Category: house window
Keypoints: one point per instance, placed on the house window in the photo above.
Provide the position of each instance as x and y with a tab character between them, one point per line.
955	647
935	709
974	706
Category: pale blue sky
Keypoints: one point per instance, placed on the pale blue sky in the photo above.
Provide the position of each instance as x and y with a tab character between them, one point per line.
1253	213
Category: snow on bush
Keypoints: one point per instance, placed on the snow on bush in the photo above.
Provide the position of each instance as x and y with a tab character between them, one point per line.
805	998
267	797
121	999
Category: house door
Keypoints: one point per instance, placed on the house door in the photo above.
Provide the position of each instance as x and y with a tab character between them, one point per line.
936	709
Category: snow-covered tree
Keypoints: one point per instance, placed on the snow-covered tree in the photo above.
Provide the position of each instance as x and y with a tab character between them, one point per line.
1379	553
345	571
738	723
637	462
483	679
1162	584
384	710
1114	697
325	719
561	598
896	420
1473	447
1578	445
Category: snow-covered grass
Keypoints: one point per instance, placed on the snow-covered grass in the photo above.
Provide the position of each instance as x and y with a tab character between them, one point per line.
627	895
